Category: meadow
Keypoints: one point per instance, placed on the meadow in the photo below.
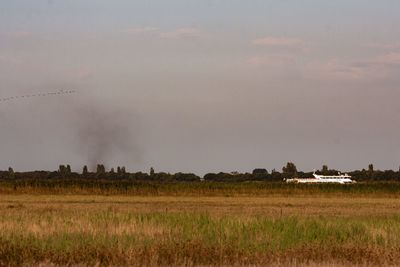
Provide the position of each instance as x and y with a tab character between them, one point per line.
243	224
156	188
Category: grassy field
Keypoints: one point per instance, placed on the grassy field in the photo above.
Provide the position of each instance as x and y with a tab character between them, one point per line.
133	187
223	229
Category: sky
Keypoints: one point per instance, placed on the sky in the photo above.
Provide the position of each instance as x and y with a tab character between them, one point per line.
200	85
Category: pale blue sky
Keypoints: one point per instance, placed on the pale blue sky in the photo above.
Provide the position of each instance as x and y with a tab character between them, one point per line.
207	85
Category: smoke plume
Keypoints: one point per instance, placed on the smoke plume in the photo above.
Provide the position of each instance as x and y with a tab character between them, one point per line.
77	129
106	135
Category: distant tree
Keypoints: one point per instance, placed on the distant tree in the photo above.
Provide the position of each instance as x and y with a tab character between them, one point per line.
187	177
123	170
118	170
85	170
100	169
62	170
11	173
364	173
371	168
112	171
325	169
68	169
290	170
260	171
152	171
371	171
276	175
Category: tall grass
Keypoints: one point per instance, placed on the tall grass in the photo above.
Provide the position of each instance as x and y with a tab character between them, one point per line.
121	230
128	187
112	237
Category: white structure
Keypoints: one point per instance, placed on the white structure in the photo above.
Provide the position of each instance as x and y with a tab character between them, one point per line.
340	179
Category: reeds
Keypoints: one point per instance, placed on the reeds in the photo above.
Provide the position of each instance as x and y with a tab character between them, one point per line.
113	237
107	223
131	187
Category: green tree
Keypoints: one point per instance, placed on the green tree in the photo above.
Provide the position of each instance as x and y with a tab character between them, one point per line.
325	170
371	167
11	173
290	170
151	171
100	169
260	171
370	171
62	170
68	169
85	170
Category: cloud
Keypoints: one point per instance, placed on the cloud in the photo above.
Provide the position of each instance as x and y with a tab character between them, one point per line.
332	70
270	60
22	34
385	66
182	33
9	58
385	46
277	66
177	34
16	35
380	67
84	73
271	41
388	60
141	30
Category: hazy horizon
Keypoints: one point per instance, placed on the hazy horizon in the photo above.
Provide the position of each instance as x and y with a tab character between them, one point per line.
200	86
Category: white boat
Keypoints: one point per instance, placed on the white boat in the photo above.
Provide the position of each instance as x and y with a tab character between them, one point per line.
339	179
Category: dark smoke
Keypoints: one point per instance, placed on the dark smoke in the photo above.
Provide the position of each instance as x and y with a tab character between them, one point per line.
105	135
77	129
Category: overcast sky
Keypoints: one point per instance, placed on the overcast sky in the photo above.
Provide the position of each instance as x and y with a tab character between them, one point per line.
200	86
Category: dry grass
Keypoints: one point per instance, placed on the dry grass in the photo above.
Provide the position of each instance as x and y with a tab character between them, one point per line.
200	189
272	206
165	230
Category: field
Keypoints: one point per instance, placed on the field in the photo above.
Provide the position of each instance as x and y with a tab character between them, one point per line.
301	226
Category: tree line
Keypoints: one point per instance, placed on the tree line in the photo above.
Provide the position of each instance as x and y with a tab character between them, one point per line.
258	174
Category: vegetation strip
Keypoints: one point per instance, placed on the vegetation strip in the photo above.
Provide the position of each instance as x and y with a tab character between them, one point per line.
150	230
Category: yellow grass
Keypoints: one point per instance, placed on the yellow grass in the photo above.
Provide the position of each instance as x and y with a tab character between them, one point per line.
243	206
187	230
